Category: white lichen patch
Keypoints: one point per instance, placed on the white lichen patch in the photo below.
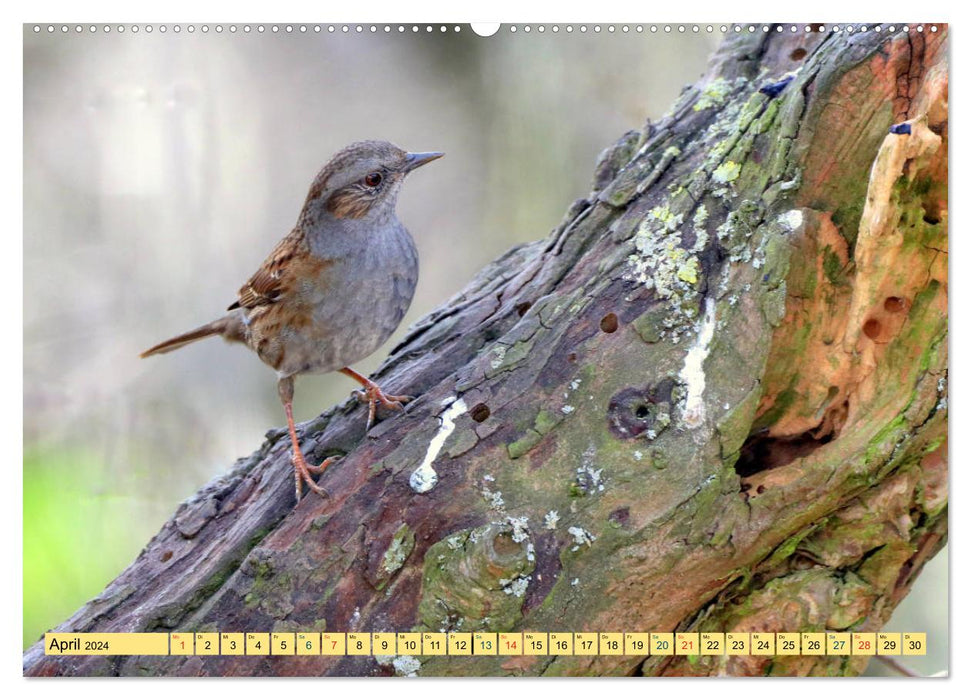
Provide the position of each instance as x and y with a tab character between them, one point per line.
395	555
638	455
663	215
692	374
580	537
498	355
567	410
660	263
425	477
406	666
701	216
551	519
520	528
516	586
494	497
589	478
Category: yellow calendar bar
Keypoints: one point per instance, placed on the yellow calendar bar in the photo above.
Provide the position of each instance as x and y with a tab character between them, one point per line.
530	643
106	644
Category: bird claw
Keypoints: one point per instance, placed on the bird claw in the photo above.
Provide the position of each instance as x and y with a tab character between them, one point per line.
372	396
303	473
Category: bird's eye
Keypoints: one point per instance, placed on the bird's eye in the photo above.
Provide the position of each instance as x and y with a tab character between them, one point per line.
373	180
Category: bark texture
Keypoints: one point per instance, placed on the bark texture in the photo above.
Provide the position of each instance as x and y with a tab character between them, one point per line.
712	399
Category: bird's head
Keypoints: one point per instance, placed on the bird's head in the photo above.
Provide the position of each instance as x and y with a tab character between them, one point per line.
362	181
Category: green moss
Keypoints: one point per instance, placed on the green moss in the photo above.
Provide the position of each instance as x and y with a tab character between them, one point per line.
777	256
546	421
524	444
833	267
648	325
783	403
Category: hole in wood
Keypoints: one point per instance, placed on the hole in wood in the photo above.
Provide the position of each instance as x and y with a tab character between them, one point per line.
504	545
480	412
165	556
609	323
522	307
932	212
894	304
635	410
872	328
761	452
798	54
572	357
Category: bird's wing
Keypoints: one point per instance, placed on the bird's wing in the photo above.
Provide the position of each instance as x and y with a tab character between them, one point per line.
275	274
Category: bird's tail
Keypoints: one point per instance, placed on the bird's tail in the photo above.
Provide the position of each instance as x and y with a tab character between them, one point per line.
229	327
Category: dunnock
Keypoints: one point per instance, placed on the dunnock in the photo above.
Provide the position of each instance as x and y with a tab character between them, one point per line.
335	288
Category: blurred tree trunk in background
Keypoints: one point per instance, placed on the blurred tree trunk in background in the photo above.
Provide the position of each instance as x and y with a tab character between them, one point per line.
713	399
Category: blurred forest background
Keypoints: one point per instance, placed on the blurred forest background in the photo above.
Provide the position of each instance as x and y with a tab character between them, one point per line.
160	169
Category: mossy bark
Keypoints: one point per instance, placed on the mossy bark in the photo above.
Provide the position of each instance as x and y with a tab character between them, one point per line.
714	398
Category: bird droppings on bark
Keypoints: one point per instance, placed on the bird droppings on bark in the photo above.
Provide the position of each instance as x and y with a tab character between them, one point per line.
692	373
425	477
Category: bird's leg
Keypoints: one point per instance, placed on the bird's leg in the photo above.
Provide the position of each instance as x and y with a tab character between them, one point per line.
302	469
372	394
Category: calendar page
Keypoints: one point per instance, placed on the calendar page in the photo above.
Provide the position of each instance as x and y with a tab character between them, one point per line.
520	349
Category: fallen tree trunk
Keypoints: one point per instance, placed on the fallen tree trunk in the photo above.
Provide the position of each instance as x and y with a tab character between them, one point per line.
714	398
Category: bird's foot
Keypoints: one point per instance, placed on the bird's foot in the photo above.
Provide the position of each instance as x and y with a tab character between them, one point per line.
372	395
303	473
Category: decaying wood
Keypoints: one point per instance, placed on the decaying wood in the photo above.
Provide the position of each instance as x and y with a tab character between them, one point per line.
714	398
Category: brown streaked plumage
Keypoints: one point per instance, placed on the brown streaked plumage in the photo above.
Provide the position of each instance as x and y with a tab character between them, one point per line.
333	290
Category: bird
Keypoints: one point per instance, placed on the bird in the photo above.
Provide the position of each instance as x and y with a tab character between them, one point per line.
334	289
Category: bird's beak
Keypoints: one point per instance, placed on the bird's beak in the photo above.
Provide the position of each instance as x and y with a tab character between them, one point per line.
416	160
